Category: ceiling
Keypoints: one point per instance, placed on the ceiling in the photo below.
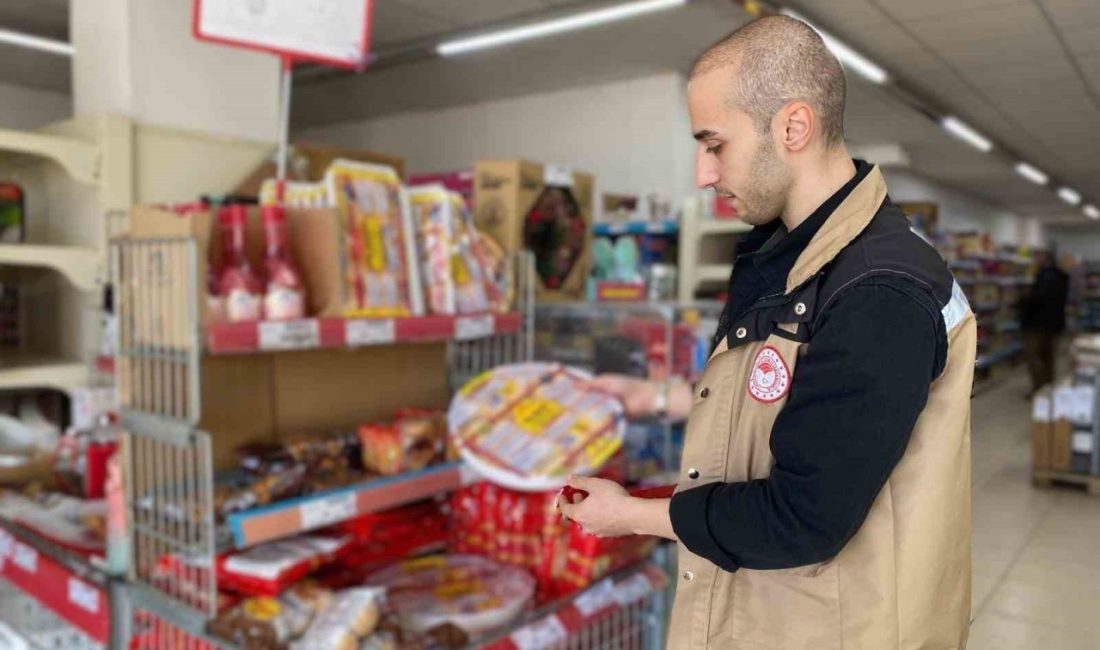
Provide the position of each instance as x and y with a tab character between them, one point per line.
1025	72
49	18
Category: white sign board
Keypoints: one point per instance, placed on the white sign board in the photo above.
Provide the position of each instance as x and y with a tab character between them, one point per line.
336	32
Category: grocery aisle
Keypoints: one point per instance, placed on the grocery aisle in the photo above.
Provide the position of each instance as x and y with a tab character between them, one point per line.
1036	565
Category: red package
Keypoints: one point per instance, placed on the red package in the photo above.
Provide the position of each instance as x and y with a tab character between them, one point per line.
269	569
384	537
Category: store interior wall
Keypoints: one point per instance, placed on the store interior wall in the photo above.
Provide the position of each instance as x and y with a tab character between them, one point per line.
962	212
634	135
1082	242
30	108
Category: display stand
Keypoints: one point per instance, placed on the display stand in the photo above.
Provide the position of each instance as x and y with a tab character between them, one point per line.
188	402
706	251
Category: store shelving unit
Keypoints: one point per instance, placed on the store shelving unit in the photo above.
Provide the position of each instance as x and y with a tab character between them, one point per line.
706	251
27	371
52	597
994	284
191	394
294	516
613	228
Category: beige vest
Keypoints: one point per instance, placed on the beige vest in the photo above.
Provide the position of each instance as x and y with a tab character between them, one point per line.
903	580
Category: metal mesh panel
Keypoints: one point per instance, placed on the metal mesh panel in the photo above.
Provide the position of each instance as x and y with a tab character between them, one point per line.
38	626
467	359
158	327
169	478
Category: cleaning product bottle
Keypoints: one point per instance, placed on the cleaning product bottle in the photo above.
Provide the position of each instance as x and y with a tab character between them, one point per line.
238	285
284	298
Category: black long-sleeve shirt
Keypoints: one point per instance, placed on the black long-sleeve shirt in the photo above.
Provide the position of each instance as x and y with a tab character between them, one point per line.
859	389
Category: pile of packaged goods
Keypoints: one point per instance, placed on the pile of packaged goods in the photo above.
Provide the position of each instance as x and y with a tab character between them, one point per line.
405	252
310	463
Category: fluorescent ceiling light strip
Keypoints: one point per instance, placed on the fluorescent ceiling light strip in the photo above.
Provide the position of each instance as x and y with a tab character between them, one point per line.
30	42
554	26
966	133
1092	212
1032	174
849	57
1069	195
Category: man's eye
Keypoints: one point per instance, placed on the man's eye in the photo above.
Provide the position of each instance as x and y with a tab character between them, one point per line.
714	149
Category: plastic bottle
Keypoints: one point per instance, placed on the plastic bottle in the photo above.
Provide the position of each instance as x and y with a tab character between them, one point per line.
238	285
284	299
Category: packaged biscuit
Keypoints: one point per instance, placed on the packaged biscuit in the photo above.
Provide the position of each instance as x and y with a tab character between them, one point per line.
350	615
380	256
528	426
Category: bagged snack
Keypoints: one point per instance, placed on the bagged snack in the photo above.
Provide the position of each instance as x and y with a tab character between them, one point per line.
471	592
351	615
413	441
270	568
381	272
273	487
529	425
262	623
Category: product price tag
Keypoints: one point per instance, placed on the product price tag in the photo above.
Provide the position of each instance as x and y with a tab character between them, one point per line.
473	327
633	589
290	335
370	332
656	228
25	557
328	510
558	176
617	229
83	595
540	634
599	596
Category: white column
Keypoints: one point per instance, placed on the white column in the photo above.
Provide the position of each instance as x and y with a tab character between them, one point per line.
138	58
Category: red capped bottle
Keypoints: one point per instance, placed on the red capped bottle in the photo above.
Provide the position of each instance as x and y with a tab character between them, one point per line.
238	284
285	297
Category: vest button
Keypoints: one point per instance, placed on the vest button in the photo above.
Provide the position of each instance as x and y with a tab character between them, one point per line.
742	332
693	473
703	393
800	308
688	576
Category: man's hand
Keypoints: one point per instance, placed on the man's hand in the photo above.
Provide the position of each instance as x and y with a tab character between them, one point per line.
639	396
609	511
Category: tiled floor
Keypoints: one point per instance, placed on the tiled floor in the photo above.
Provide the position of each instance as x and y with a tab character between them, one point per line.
1036	551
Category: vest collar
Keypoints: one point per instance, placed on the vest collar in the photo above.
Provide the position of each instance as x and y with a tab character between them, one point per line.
845	224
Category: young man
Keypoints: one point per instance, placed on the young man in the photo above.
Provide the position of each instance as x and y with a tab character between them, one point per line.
824	497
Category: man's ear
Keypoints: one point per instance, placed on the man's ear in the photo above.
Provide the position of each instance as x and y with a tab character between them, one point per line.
797	124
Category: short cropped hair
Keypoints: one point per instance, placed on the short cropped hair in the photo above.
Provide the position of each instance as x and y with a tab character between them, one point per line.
781	59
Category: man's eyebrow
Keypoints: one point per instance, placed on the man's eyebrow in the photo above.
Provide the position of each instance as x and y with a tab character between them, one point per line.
704	134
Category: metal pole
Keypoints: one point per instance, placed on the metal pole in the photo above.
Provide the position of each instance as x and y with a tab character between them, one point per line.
284	115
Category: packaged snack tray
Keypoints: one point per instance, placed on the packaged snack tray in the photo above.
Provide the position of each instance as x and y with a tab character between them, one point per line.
380	254
474	593
350	615
528	426
268	569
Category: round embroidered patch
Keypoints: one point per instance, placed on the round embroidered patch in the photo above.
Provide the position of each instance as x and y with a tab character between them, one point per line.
771	378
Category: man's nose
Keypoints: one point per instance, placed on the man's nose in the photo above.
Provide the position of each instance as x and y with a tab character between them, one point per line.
706	174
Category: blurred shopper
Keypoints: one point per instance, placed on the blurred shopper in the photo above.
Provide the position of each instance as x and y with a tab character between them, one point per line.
824	497
1043	319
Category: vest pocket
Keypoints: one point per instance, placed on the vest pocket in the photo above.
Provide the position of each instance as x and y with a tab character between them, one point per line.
788	608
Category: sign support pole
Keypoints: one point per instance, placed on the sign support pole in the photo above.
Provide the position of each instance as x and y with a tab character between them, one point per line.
285	81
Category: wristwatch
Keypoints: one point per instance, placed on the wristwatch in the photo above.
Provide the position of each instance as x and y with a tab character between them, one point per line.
660	400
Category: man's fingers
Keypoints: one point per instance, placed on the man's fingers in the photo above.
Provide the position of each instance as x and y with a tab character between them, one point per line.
582	482
567	509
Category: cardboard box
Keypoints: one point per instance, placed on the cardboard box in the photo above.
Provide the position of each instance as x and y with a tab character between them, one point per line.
308	162
542	208
316	240
1041	430
1061	445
